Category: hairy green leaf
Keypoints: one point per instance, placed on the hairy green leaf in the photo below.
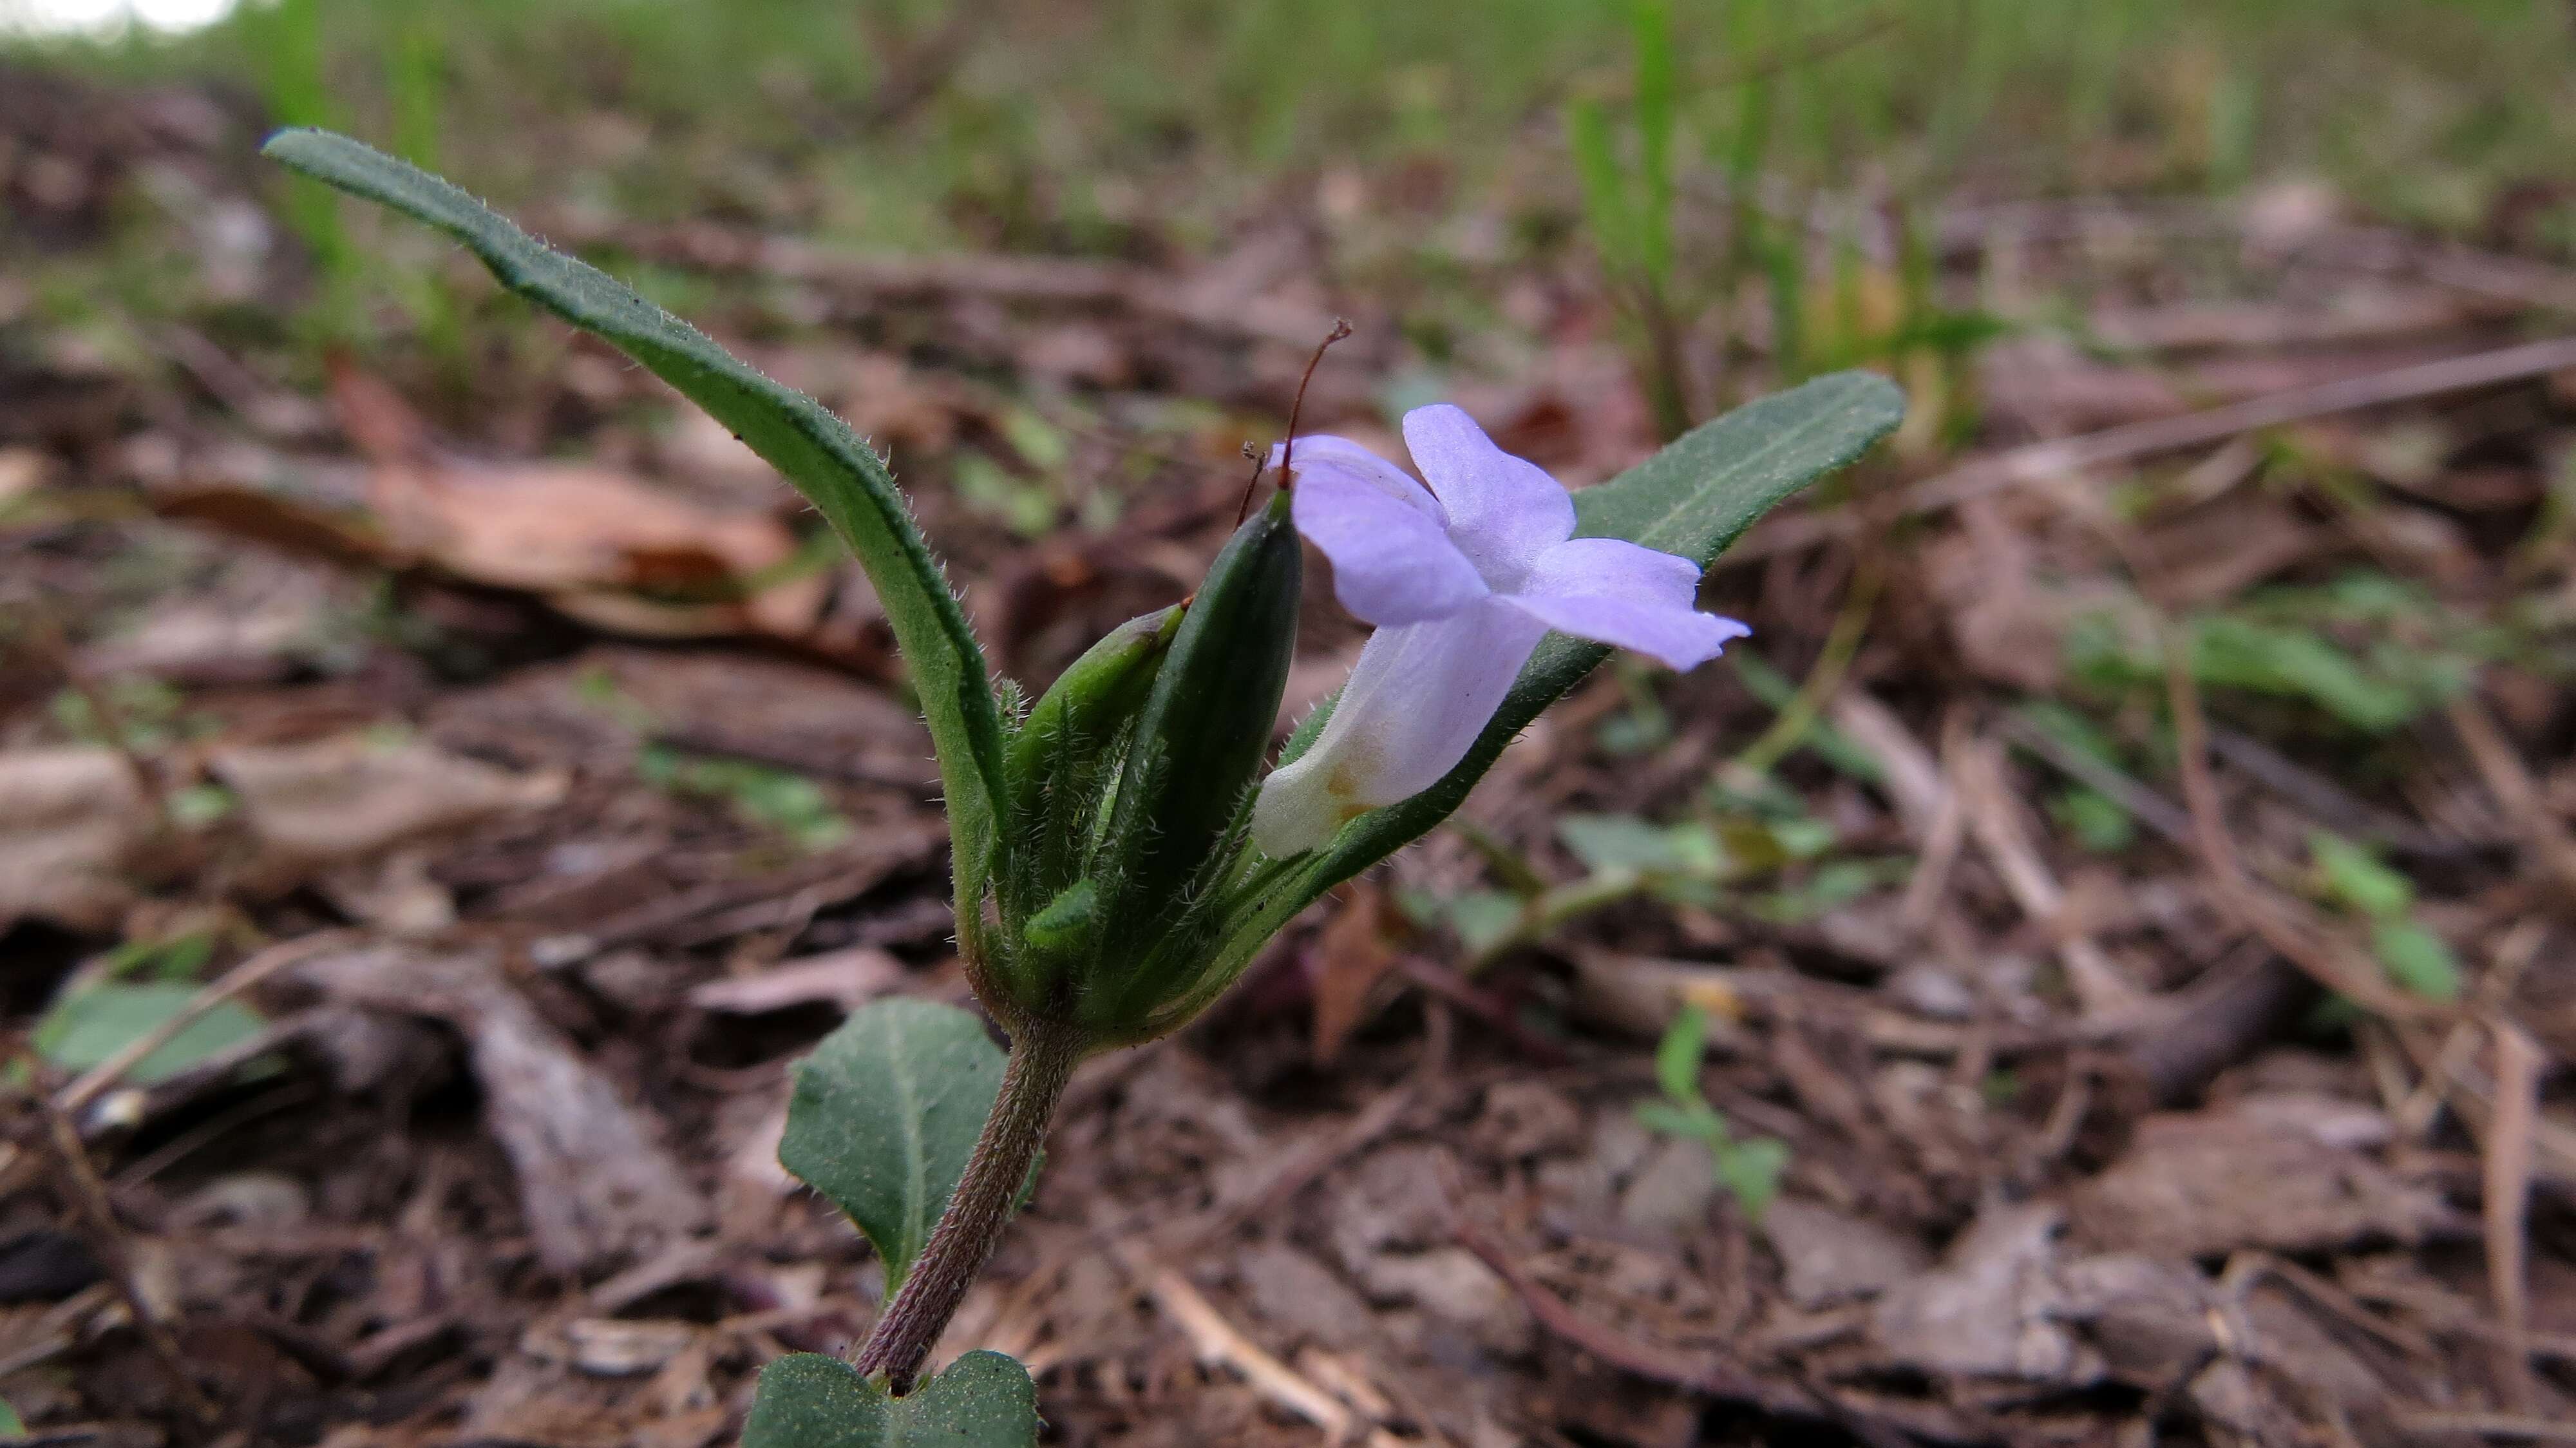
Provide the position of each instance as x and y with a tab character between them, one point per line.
884	1116
831	465
1693	498
807	1400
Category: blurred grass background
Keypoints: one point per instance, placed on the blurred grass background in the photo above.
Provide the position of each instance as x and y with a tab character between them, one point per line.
1062	126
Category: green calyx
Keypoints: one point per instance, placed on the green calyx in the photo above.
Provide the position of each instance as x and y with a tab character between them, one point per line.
1129	784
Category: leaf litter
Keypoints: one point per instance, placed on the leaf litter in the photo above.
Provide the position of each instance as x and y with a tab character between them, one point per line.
2073	1151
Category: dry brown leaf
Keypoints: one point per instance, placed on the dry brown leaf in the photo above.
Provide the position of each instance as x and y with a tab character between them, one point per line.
2208	1183
70	821
1991	1309
1828	1256
1351	956
594	1183
351	795
589	538
845	978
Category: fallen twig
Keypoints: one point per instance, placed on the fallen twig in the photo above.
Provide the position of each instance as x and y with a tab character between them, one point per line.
1711	1375
2507	1198
1217	1341
1994	821
2236	892
2044	461
89	1202
2515	791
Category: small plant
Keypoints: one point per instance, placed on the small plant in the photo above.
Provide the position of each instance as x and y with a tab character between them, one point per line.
1748	1167
1118	855
2354	880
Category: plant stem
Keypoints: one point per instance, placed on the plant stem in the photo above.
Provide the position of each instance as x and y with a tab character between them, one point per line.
1041	1062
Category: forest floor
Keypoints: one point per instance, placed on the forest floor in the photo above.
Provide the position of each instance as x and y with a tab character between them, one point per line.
2128	872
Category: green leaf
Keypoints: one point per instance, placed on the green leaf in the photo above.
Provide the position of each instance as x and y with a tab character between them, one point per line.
2417	959
1694	1122
2237	653
831	465
2099	823
1750	1171
884	1115
2353	878
807	1400
11	1425
1677	1055
1610	842
1693	498
87	1027
1482	918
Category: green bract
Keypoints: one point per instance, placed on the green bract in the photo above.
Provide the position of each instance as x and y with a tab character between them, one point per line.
1128	787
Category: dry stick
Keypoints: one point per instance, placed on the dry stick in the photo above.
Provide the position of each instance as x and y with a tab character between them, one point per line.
107	1238
1215	1340
1040	1066
2507	1193
2040	462
2237	894
55	640
2150	808
1994	820
2489	1425
1842	643
2515	790
242	977
1710	1374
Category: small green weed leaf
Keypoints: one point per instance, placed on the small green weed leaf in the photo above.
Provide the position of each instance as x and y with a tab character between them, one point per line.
89	1026
1692	498
834	468
1834	884
884	1115
1677	1056
1693	1122
1483	918
1606	842
807	1400
2354	878
759	794
2098	822
2239	653
2417	959
1750	1172
11	1425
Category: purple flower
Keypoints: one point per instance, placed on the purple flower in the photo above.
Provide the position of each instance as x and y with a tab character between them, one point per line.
1463	580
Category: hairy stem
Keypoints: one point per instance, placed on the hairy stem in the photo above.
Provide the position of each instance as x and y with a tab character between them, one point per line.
1041	1062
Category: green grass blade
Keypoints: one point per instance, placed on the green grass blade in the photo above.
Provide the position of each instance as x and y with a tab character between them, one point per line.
829	463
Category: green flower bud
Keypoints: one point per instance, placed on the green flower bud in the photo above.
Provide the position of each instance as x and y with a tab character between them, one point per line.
1060	764
1127	833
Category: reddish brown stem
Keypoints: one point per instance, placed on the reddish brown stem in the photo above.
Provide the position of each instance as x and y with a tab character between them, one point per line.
1041	1063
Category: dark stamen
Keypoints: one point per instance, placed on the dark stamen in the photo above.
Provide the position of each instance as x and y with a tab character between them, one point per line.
1288	448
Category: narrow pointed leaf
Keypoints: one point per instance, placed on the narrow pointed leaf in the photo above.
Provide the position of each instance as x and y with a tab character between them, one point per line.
807	1400
831	465
1693	498
884	1116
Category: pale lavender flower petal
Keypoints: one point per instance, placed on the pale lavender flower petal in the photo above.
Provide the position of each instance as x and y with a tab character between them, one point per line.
1463	584
1416	701
1324	455
1392	564
1503	511
1615	592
